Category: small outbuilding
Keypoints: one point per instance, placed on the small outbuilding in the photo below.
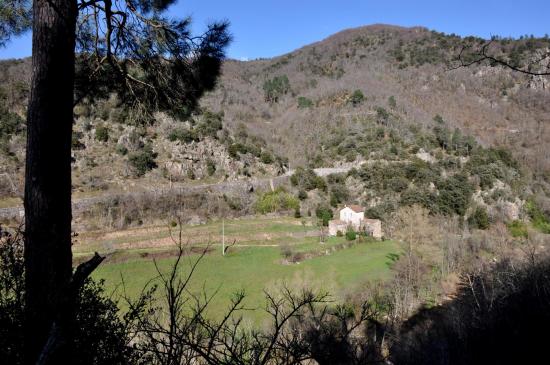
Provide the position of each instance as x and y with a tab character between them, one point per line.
353	217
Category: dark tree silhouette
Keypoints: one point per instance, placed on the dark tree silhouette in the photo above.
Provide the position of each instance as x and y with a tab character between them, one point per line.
486	54
90	48
15	18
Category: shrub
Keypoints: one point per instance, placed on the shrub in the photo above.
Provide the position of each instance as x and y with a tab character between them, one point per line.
382	115
235	149
454	195
143	160
277	200
324	213
307	179
102	133
210	167
286	252
183	135
10	123
381	211
121	150
351	235
210	124
338	194
540	221
304	102
423	197
275	88
518	229
479	219
266	158
101	333
357	97
339	233
302	195
442	136
398	184
491	164
439	119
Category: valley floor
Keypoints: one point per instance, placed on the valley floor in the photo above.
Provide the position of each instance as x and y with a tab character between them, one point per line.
258	259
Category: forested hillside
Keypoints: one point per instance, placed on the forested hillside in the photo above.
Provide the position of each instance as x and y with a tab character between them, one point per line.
297	105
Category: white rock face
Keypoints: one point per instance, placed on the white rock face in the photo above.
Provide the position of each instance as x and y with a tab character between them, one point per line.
510	211
425	156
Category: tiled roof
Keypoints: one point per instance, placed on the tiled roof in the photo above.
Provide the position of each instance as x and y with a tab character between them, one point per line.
337	221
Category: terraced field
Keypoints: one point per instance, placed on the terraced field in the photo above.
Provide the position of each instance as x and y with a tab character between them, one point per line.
254	263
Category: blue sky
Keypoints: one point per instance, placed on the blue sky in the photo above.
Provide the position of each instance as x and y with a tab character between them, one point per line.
266	28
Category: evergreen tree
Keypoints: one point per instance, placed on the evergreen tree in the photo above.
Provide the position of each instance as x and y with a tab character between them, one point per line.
90	48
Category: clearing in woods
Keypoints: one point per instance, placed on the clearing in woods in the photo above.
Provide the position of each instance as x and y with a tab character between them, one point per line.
254	263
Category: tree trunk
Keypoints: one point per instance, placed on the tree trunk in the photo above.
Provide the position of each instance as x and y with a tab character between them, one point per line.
48	258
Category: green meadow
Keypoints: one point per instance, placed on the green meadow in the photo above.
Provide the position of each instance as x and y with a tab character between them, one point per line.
253	267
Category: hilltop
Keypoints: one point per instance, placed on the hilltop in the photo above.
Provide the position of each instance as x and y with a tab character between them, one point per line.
412	66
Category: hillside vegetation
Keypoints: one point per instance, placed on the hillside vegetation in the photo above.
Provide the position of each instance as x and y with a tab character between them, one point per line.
267	112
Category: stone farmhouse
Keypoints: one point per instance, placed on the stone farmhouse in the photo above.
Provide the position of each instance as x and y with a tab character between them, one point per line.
353	216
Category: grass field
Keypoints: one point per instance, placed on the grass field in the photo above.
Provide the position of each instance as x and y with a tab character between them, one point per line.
255	267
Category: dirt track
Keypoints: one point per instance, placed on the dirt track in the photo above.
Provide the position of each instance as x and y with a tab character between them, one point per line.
82	204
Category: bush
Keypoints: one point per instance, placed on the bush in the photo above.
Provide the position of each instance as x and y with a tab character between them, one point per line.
183	135
143	160
382	115
398	184
351	235
479	219
339	234
210	167
423	197
101	333
278	200
302	195
286	252
338	194
304	102
307	179
518	229
102	133
454	195
540	221
439	119
324	213
275	88
210	124
266	158
237	148
357	97
121	150
10	123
